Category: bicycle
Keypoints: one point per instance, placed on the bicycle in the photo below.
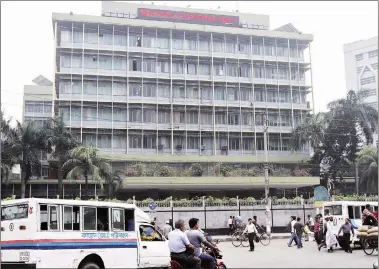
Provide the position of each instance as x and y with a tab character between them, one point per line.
369	245
239	238
263	237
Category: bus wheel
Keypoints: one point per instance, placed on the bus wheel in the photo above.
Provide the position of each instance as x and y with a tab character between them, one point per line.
90	265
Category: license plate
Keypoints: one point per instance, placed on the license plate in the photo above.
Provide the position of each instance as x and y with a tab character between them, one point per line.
24	256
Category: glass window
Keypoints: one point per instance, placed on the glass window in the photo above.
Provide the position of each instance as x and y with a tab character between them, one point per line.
53	218
118	219
359	57
13	212
135	141
234	143
192	143
89	217
67	218
148	233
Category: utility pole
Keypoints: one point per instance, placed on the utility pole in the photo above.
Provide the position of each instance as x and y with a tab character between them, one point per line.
267	180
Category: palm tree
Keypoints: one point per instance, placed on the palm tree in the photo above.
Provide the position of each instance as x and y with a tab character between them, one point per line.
368	165
26	145
364	115
7	159
114	181
60	142
311	131
85	162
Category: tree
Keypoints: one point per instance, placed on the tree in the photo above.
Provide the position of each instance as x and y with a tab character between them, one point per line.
361	115
85	162
7	159
114	181
60	142
26	144
368	165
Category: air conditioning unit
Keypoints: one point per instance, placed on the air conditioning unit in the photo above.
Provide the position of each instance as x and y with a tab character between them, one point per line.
202	147
160	146
179	147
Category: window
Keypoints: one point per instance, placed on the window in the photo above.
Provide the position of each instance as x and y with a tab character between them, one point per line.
148	233
149	90
231	69
192	117
244	71
359	69
135	89
149	116
177	44
368	80
163	117
219	93
165	66
149	65
162	43
135	142
234	119
135	65
359	57
248	144
191	68
220	118
191	43
119	63
118	219
218	46
29	107
71	218
13	212
177	67
375	66
205	69
129	217
258	72
372	54
192	143
234	143
89	218
135	115
149	142
49	218
47	107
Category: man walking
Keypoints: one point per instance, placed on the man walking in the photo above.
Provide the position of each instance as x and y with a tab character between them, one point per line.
298	229
230	224
346	228
167	229
311	223
251	231
293	235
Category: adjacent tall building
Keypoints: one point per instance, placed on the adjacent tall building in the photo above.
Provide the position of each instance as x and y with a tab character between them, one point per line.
361	67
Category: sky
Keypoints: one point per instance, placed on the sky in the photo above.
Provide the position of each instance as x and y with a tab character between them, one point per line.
27	38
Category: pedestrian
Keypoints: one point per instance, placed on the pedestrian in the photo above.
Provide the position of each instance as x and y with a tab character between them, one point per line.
311	223
346	228
330	238
307	231
234	223
167	229
251	231
298	229
230	224
293	235
321	229
316	229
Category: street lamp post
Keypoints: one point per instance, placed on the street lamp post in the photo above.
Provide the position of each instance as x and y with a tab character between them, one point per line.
267	180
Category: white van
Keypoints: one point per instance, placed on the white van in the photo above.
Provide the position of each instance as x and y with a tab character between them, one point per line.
52	233
340	210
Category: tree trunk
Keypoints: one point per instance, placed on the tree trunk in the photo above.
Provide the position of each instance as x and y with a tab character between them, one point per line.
60	179
86	183
23	185
110	191
356	178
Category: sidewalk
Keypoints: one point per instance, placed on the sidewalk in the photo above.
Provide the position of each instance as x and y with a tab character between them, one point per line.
227	238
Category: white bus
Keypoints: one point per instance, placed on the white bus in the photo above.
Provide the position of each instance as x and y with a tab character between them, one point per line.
340	210
52	233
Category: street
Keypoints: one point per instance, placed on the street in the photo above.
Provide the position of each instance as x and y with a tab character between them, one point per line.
278	255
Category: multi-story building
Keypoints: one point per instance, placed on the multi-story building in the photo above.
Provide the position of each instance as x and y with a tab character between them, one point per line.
38	103
361	67
156	87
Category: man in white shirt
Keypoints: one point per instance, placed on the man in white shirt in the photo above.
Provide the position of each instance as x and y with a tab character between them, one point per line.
311	222
251	231
178	243
293	235
230	224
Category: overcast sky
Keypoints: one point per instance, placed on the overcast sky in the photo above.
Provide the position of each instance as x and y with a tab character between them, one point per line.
27	38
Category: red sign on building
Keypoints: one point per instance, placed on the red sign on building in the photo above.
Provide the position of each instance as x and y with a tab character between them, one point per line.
187	17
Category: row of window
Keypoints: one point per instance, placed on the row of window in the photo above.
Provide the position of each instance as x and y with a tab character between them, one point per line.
182	143
38	107
164	116
371	54
368	80
374	66
104	62
180	91
191	43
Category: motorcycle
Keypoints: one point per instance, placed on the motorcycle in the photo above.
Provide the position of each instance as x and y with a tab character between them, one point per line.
216	255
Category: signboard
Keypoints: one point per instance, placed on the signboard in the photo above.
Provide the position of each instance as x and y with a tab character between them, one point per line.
153	206
321	194
187	17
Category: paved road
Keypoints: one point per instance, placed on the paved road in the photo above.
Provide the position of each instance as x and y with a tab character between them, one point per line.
279	255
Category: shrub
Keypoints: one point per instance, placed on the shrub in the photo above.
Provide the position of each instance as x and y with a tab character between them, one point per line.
225	170
131	173
166	171
197	170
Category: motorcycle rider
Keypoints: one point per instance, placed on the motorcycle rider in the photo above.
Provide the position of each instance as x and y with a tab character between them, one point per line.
197	238
180	247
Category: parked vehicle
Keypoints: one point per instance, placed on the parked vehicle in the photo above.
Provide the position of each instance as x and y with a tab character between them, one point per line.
53	233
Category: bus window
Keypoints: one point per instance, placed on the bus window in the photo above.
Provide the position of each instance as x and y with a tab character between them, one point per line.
118	219
76	218
102	219
53	218
357	212
89	219
43	217
337	209
129	219
350	211
67	218
13	212
327	210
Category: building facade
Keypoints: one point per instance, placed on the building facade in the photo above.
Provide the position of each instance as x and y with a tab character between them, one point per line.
361	67
179	98
38	107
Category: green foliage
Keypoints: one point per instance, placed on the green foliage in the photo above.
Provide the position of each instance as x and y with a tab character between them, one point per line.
197	170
